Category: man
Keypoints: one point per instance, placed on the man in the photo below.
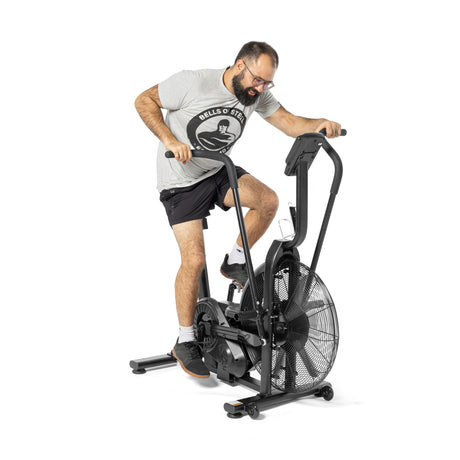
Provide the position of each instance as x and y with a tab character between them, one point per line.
208	110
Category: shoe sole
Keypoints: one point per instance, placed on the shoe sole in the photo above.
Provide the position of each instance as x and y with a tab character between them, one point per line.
231	278
187	371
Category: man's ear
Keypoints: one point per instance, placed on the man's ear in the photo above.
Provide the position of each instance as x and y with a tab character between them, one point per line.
239	65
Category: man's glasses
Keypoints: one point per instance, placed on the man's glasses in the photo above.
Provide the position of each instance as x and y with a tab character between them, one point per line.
257	81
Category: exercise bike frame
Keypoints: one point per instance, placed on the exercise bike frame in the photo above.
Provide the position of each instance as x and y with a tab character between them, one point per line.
298	162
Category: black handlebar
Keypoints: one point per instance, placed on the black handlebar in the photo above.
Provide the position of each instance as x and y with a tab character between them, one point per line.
217	157
343	132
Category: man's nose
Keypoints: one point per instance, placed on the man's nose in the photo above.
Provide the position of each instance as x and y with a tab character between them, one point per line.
260	87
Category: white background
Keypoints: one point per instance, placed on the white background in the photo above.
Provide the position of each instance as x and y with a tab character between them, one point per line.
88	260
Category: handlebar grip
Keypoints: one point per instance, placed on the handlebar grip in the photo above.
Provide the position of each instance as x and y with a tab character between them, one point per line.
343	132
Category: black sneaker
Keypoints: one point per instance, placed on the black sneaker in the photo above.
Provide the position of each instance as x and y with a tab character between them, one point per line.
189	356
236	272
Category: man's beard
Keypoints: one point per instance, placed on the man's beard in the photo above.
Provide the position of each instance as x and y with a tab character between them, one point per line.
242	94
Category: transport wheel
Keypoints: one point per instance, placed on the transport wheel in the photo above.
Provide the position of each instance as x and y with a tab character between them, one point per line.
253	412
327	393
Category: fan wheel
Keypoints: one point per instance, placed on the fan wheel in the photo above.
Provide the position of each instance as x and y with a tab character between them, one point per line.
305	326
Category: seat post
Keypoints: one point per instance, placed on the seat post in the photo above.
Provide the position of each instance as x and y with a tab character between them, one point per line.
204	280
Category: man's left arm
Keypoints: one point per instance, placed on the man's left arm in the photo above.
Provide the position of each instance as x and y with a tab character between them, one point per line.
294	126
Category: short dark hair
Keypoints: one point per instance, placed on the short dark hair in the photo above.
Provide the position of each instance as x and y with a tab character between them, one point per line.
253	50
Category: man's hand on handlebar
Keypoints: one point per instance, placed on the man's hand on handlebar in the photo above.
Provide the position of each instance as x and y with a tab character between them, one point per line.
182	152
332	128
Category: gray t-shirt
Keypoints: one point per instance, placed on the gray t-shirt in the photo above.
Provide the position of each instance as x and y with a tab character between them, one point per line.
204	114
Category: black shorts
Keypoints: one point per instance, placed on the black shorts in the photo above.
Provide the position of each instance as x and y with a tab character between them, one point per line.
184	204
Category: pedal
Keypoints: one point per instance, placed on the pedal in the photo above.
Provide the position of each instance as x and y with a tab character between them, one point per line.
231	290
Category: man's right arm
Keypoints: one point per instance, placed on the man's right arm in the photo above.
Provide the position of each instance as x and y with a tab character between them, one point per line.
149	106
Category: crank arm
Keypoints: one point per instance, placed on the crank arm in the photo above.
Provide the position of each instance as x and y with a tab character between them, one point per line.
232	333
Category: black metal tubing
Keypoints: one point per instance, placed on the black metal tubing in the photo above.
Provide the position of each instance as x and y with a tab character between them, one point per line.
338	167
205	291
338	172
249	382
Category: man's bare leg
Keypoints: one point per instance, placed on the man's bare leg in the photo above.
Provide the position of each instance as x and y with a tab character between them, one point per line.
189	236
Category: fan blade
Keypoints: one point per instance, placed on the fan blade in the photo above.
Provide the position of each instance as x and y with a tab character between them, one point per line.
294	306
313	304
308	363
298	303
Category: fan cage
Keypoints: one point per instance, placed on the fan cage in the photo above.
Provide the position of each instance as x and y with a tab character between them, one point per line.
302	359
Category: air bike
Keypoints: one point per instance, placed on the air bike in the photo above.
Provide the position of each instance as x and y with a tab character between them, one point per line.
285	325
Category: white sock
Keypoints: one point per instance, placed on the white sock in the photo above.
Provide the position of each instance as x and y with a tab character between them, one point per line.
186	334
237	255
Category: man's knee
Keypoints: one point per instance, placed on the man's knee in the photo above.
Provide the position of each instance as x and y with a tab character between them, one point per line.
193	262
269	202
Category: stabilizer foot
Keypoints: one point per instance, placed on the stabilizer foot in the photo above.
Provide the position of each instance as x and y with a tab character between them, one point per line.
235	415
140	366
139	371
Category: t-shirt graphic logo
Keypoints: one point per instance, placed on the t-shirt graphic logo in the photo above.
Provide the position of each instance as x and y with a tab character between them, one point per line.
214	140
216	129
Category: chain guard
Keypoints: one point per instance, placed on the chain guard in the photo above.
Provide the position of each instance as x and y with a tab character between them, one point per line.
220	355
